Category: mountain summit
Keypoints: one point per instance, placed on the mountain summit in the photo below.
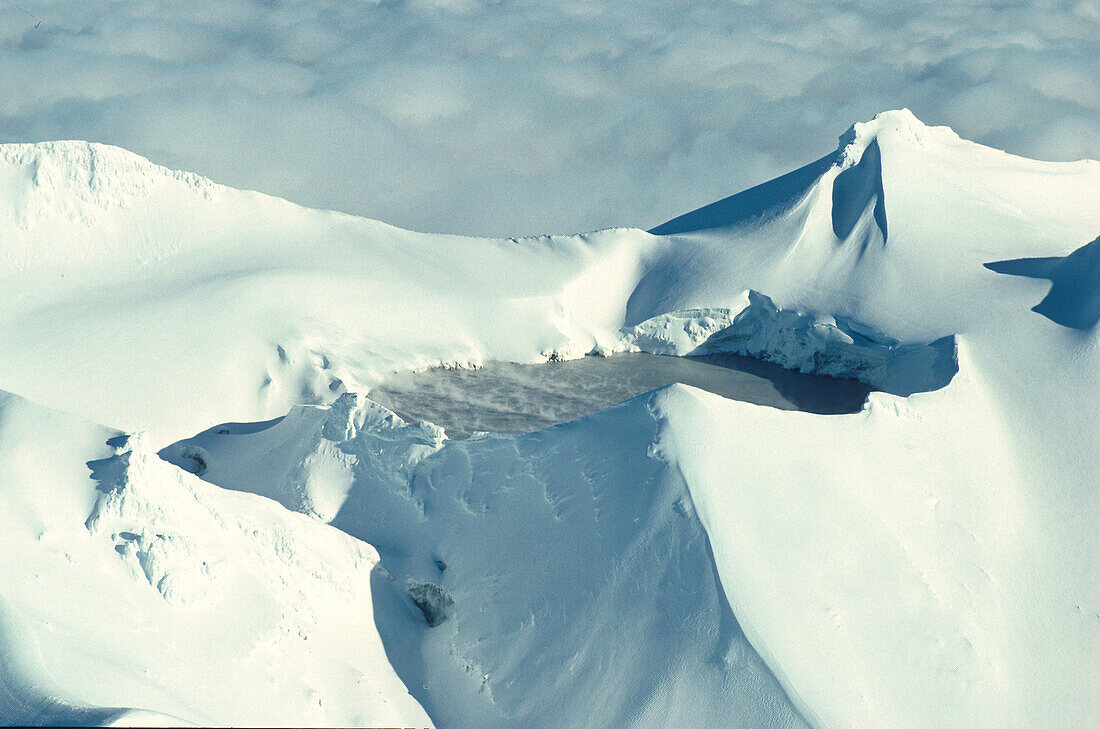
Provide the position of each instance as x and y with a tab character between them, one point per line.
681	557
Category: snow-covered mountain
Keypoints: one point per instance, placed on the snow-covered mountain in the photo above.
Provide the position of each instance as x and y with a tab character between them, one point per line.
930	561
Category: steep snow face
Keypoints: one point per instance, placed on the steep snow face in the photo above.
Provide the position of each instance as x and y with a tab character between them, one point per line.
894	238
558	578
130	584
941	581
928	562
944	546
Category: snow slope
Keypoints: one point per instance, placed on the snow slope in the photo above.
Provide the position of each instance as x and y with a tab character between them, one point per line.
259	304
192	304
928	562
573	582
130	584
946	551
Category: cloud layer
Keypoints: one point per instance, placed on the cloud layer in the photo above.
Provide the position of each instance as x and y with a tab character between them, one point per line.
507	117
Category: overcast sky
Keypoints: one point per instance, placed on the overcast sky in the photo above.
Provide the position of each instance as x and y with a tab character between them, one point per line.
514	117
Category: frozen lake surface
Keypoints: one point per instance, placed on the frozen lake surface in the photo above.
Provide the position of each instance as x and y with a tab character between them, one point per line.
504	397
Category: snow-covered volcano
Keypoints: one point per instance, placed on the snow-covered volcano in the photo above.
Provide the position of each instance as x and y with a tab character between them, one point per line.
930	561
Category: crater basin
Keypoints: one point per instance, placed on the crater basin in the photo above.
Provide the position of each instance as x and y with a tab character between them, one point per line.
504	397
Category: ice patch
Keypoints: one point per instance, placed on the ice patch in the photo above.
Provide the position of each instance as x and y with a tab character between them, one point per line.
817	344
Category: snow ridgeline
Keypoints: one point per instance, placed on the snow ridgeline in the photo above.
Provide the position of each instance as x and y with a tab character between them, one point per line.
139	586
928	562
258	304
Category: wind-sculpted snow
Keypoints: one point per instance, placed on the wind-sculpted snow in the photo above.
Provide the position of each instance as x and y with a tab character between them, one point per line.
559	578
756	204
139	587
857	183
1074	298
821	345
927	562
855	188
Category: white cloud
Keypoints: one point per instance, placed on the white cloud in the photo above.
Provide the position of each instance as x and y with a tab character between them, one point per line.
517	116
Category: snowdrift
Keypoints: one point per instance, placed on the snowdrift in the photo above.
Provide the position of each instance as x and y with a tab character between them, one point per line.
928	562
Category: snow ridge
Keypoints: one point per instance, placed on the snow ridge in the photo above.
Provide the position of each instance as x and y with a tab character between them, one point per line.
937	551
509	562
58	174
139	585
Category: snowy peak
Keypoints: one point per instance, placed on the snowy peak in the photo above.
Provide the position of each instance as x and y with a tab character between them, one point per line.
857	164
856	188
77	180
859	161
898	124
98	173
515	569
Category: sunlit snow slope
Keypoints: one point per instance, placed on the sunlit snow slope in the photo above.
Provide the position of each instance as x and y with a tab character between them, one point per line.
932	561
129	583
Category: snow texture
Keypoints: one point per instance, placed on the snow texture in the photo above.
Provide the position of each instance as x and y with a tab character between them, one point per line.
557	578
929	561
140	587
